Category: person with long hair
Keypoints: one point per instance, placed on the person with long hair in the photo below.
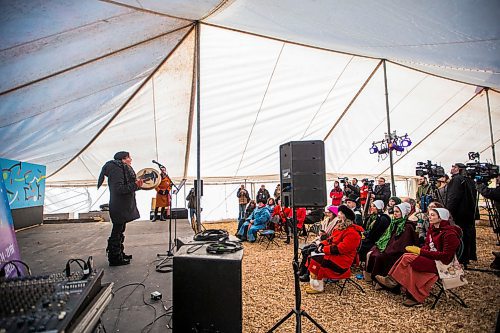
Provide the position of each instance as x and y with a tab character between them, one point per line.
416	270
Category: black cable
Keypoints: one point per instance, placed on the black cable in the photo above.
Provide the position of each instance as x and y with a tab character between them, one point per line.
13	263
130	284
196	247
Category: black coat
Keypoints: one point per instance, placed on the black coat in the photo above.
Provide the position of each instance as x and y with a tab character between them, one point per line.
382	192
122	187
461	202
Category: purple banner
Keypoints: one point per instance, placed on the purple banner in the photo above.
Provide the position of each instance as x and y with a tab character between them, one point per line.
8	242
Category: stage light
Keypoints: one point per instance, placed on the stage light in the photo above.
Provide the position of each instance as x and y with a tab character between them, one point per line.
405	141
373	149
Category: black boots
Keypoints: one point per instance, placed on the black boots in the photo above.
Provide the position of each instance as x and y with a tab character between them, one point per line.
118	261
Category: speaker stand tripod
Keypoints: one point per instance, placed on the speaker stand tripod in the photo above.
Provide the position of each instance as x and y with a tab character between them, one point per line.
297	311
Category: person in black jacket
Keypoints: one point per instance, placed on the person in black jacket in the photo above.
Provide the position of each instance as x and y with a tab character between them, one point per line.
460	200
122	184
382	191
262	194
376	226
494	195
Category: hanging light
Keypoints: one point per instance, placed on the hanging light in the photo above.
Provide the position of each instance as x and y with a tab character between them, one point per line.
405	141
373	149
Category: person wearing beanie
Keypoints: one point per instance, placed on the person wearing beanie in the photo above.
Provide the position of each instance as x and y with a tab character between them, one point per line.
122	185
416	270
352	202
377	224
393	201
336	254
391	245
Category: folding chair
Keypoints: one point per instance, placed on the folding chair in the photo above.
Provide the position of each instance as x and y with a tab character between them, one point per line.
268	236
440	286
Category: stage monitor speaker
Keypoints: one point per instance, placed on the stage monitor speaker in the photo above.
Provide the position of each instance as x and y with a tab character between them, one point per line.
196	186
207	295
302	174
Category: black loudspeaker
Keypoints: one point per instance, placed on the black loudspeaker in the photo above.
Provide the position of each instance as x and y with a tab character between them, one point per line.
196	186
178	213
207	294
302	174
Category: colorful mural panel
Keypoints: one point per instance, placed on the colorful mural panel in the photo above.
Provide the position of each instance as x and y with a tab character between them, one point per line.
8	242
25	183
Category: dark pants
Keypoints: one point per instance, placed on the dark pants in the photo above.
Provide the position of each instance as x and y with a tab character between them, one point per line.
115	241
162	212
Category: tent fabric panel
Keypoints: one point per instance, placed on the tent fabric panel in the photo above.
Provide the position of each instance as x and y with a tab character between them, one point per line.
463	36
192	9
43	57
25	21
155	117
466	131
76	123
279	100
78	105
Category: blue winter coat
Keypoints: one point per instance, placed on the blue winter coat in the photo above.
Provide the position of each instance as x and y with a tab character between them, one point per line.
260	215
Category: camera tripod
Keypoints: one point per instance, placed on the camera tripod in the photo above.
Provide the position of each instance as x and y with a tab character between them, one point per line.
297	311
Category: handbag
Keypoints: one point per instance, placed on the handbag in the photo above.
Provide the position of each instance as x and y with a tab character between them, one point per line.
452	275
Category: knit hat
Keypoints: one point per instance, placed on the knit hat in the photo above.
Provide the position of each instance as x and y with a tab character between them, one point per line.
379	204
352	197
444	214
405	208
396	200
333	209
121	155
349	214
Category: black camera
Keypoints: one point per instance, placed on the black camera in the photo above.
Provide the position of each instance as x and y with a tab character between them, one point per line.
367	182
481	173
434	171
343	180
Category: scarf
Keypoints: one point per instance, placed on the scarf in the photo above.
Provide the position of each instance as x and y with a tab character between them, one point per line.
371	222
399	224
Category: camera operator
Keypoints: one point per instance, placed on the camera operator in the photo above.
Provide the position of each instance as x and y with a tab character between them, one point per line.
424	188
351	188
382	191
461	202
490	193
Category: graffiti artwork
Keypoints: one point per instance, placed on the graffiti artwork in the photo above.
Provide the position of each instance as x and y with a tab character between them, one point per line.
8	243
25	183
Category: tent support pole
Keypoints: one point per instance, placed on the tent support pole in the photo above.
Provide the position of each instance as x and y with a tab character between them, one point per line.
393	185
198	174
491	127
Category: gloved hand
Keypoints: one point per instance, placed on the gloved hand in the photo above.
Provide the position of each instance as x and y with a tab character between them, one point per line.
413	249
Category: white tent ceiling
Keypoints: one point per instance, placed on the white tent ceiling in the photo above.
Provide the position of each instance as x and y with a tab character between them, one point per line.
84	79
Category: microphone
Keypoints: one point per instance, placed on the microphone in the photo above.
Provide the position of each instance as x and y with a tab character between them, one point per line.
155	162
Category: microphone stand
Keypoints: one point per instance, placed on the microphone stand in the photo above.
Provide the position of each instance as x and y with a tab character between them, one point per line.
169	254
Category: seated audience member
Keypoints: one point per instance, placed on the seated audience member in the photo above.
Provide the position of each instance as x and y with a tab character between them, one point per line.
270	205
250	208
312	217
256	221
336	194
336	254
416	271
327	226
391	245
376	226
423	222
393	201
300	215
352	202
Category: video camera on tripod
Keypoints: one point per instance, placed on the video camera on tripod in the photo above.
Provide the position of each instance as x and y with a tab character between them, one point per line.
343	180
434	171
481	173
369	183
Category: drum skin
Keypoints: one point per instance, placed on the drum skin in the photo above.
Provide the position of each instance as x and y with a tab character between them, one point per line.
151	178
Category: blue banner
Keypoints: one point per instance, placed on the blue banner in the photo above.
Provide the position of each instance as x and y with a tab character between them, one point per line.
8	242
25	183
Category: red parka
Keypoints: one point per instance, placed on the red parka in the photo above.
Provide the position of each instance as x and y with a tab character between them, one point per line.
340	250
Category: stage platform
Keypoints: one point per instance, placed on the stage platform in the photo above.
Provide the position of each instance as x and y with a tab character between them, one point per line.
47	248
